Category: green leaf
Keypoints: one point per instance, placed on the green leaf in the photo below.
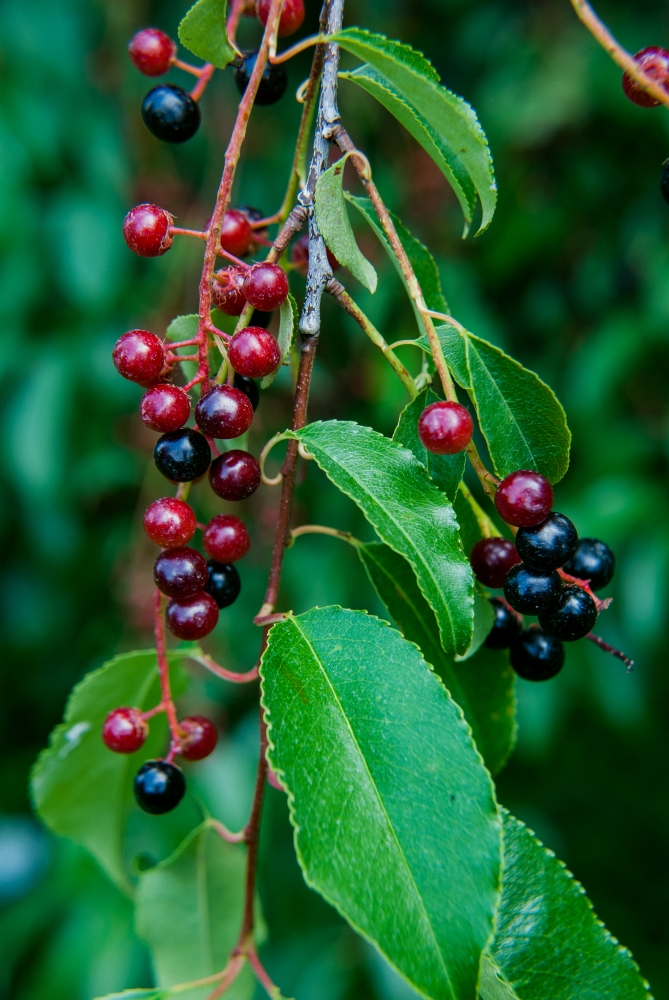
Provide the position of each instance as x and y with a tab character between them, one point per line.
394	814
183	327
492	985
80	788
288	318
149	994
548	941
203	32
483	686
335	228
189	910
446	471
411	515
446	126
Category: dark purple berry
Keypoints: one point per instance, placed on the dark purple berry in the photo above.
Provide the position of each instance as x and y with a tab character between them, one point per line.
531	593
491	560
524	498
180	572
193	617
170	113
159	787
224	584
505	628
224	412
182	456
273	82
573	618
594	561
548	545
234	475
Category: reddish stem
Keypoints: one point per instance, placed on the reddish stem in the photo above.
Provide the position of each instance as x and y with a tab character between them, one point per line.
206	74
227	675
164	673
584	585
629	663
259	969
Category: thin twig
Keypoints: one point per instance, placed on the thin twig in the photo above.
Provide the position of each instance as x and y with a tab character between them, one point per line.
164	672
225	834
227	675
322	529
611	649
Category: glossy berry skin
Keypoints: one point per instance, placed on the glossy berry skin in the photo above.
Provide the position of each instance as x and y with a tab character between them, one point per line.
491	560
664	181
532	593
506	626
234	475
299	257
159	787
655	62
226	538
236	233
445	428
146	230
224	412
524	499
547	545
292	15
574	617
182	456
254	215
152	51
254	352
266	286
248	387
227	290
594	561
169	522
180	572
139	356
170	113
273	82
536	656
224	584
199	739
124	730
165	408
193	617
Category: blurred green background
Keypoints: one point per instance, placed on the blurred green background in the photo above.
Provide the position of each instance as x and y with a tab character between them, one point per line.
572	279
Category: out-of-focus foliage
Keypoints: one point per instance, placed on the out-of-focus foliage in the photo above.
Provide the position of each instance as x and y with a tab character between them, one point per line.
572	278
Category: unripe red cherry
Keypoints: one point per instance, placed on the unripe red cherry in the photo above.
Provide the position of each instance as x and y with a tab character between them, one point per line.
445	428
224	412
170	523
165	408
299	256
139	356
234	475
226	538
193	617
654	61
199	737
266	286
491	560
146	230
292	15
227	290
180	572
124	730
236	233
152	51
254	352
524	498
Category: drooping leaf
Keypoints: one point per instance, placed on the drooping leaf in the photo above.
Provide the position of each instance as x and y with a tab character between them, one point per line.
411	515
548	941
288	317
446	126
80	788
203	32
394	813
335	228
189	910
483	686
446	471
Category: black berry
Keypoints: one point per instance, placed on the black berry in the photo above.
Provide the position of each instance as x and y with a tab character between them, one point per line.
531	593
273	82
170	113
547	545
182	455
536	656
574	617
223	584
159	787
505	628
593	561
248	387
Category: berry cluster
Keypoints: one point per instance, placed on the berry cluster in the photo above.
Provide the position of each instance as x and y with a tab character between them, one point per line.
549	572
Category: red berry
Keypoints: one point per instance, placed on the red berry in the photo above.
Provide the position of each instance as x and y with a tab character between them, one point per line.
192	617
139	356
292	15
655	62
199	737
227	290
226	538
236	233
234	475
491	560
165	408
152	51
124	730
266	286
170	523
146	230
445	428
180	572
224	412
524	498
254	352
299	257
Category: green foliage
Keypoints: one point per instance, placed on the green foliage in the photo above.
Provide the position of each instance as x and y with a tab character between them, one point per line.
386	481
446	471
203	32
149	994
288	318
335	227
333	680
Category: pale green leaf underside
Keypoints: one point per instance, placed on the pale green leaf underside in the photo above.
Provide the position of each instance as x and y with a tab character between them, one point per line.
335	228
394	813
410	514
203	32
492	985
446	471
288	317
